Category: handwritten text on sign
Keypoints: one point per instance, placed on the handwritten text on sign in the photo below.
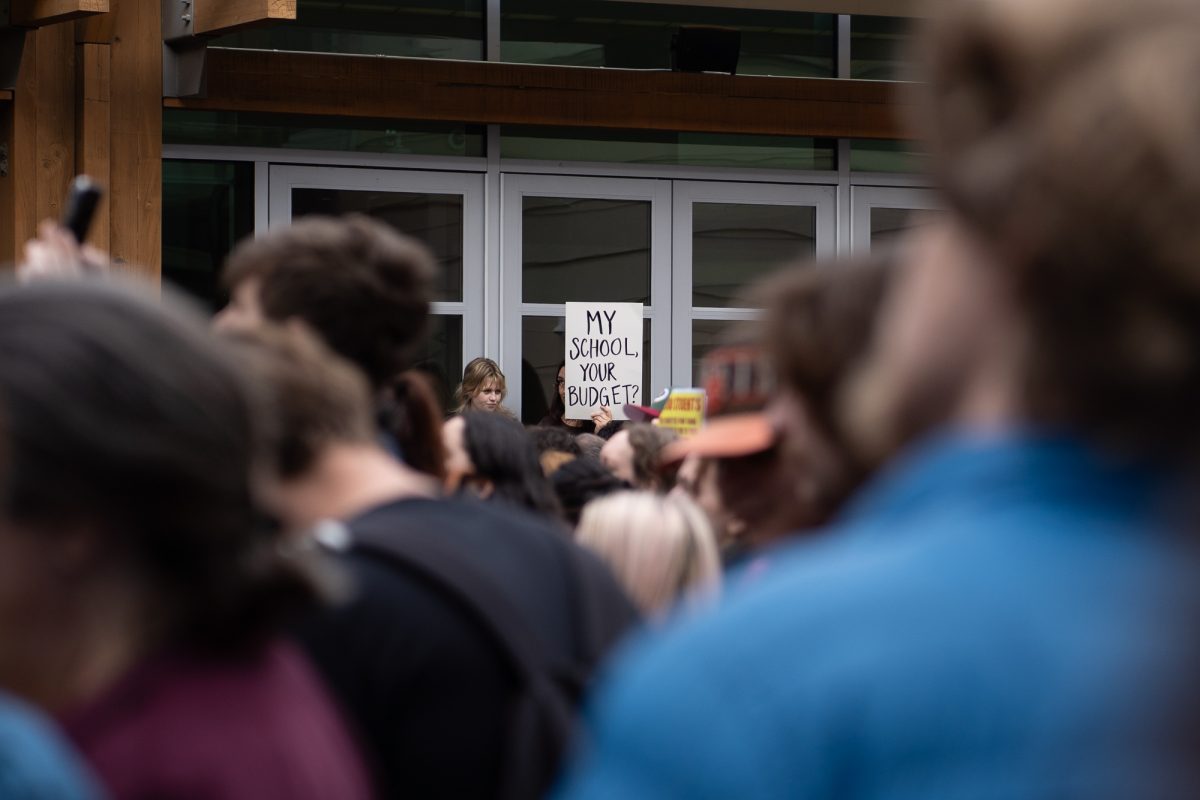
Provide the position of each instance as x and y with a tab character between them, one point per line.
604	358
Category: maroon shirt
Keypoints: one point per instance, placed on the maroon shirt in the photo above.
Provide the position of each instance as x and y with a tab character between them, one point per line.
198	729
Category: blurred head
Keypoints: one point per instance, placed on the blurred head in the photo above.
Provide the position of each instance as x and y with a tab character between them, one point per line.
1062	289
132	444
660	548
363	287
552	440
580	481
489	456
317	401
483	387
589	445
632	454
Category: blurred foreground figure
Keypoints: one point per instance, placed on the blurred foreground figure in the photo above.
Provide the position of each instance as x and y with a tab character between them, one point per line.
1011	609
365	290
789	468
34	763
472	628
141	596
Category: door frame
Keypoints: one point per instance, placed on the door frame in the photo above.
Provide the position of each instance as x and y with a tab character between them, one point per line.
823	199
283	178
865	198
514	188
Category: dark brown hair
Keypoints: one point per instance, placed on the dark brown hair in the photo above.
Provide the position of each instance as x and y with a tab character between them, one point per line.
647	442
1064	135
125	417
315	398
358	283
819	323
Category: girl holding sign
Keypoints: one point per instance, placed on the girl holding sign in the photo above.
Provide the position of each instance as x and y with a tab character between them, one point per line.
600	424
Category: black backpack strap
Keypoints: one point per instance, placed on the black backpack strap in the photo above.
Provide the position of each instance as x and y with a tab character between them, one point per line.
544	718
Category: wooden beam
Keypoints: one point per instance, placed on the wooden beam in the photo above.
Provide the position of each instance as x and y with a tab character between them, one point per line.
523	94
213	16
884	8
36	13
6	95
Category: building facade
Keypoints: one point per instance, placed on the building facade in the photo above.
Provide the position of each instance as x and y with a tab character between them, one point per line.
544	149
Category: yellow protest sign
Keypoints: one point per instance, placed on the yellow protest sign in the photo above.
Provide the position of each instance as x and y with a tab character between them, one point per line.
684	411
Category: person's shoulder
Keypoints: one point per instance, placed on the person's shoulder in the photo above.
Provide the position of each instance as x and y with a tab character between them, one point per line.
36	762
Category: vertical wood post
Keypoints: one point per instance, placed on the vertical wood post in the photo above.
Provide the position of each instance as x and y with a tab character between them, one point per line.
135	153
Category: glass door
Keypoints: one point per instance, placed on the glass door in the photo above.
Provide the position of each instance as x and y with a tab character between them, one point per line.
880	213
726	237
445	210
571	239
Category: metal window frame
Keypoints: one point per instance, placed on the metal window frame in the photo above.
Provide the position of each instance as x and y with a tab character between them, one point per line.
823	201
513	309
866	198
284	178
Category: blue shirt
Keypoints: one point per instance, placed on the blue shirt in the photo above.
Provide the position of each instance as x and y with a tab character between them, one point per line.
35	763
1001	617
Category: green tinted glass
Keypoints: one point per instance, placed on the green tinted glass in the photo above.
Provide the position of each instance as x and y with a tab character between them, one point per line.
440	358
736	244
882	155
585	249
305	132
425	29
878	46
207	207
668	148
602	33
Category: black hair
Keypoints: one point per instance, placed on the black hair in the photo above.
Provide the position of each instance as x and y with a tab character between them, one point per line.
501	452
545	439
581	481
123	416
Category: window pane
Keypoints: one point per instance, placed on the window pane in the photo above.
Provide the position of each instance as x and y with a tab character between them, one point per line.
421	28
887	224
668	148
543	346
441	357
602	33
878	46
577	249
435	219
735	244
207	207
311	132
885	155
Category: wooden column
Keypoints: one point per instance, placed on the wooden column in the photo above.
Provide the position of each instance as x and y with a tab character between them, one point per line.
93	124
135	147
38	129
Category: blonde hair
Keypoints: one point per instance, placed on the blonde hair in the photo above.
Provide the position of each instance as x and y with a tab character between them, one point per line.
660	548
476	374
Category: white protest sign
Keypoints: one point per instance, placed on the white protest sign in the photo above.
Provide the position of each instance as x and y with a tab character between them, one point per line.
604	358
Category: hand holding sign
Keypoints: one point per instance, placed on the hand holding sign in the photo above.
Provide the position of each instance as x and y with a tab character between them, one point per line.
604	359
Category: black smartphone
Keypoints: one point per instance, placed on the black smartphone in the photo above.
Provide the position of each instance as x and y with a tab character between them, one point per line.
82	200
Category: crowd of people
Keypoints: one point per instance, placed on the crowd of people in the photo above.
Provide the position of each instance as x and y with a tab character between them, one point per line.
949	552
